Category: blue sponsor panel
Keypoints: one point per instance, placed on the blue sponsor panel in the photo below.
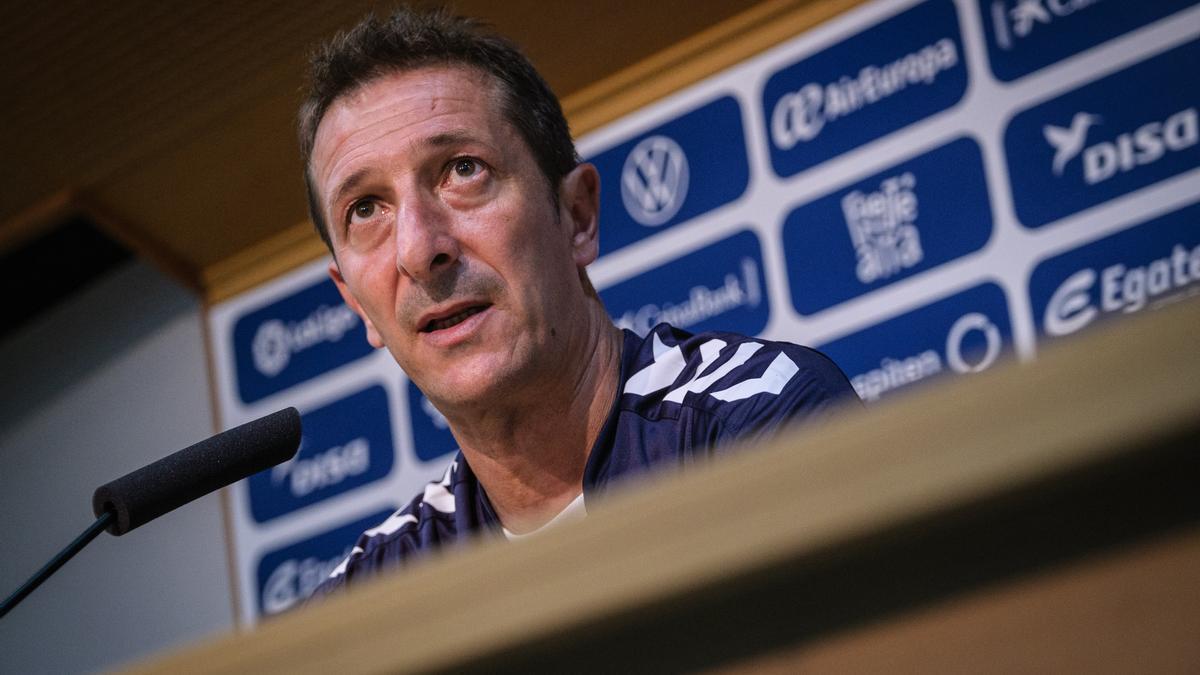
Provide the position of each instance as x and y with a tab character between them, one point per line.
672	173
909	218
1106	139
1026	35
1143	267
431	432
287	576
959	335
883	79
345	445
719	287
295	339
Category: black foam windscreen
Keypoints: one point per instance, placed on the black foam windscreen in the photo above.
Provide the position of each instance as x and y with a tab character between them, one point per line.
143	495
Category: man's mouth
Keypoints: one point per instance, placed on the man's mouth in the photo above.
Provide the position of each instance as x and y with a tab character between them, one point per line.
452	320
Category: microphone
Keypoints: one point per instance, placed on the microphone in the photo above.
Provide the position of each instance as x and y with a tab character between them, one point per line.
143	495
163	486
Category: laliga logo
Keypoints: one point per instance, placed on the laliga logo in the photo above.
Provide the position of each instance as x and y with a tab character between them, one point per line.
275	342
1145	145
654	180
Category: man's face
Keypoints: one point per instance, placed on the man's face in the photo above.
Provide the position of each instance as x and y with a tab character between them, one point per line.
447	239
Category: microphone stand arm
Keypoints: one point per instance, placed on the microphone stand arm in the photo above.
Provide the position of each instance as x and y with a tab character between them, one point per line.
56	562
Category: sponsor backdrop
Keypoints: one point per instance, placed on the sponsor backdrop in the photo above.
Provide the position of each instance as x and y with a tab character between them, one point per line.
918	188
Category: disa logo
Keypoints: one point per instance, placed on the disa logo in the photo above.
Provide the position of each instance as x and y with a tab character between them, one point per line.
324	469
1101	161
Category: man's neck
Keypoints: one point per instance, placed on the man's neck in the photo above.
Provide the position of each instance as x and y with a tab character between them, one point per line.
530	455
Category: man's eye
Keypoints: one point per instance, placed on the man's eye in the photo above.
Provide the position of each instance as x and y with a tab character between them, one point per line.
465	167
363	209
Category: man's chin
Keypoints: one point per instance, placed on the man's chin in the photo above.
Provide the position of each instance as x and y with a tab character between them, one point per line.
469	386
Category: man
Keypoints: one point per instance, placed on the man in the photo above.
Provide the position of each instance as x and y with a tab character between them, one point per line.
443	178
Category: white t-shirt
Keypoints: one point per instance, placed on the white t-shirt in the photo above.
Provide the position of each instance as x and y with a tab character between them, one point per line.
571	513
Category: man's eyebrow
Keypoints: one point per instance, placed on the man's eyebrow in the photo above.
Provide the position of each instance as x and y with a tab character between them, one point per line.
439	140
349	185
445	138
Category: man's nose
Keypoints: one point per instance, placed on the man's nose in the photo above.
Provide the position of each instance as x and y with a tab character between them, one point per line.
425	242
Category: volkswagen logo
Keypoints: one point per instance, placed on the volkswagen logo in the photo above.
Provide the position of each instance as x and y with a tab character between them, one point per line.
654	180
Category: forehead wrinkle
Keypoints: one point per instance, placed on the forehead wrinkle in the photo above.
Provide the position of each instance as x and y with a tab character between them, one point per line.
378	112
435	140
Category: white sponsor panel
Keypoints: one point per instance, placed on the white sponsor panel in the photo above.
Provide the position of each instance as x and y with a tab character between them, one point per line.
838	108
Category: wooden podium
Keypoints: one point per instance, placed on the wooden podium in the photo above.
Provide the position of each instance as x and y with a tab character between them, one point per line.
1041	517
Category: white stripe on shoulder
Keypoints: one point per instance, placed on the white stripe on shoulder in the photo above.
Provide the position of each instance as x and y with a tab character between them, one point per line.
394	522
659	374
437	496
341	568
776	377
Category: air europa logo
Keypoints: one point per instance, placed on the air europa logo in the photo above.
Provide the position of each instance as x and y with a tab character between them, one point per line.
276	341
799	116
1144	145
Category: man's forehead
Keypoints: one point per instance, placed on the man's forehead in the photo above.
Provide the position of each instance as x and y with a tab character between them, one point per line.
417	90
409	98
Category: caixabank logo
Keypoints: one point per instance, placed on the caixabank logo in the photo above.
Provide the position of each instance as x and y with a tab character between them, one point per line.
1140	268
1106	139
903	70
911	217
960	335
294	340
672	173
287	576
719	287
1027	35
345	445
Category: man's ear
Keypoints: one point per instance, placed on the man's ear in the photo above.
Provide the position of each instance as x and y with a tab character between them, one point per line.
335	273
579	201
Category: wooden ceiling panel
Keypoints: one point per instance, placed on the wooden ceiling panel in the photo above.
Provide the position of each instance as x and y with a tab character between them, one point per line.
177	119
